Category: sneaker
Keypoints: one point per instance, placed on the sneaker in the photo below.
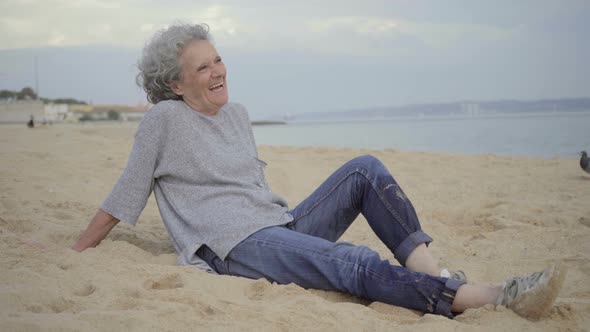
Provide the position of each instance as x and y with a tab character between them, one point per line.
532	297
457	275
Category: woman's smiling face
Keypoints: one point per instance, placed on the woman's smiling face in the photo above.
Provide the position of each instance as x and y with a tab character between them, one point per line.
203	83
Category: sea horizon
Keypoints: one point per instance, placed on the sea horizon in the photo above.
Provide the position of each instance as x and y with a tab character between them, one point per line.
538	134
534	134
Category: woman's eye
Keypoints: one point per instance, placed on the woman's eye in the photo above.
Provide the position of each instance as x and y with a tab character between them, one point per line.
218	60
202	68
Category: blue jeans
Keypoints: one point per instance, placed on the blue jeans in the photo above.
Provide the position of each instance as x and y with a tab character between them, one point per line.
306	251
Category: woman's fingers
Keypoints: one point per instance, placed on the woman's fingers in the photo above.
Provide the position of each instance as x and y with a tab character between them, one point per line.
34	244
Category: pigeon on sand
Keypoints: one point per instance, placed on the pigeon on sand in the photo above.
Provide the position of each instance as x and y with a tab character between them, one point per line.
585	162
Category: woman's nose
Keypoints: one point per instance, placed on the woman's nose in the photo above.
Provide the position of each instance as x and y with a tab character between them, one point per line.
219	70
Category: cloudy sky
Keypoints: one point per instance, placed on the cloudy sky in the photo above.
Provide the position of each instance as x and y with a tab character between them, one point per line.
288	57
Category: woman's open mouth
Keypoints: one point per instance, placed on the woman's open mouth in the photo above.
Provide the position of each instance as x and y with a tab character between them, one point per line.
216	87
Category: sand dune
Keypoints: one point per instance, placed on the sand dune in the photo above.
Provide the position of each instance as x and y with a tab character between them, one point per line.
491	216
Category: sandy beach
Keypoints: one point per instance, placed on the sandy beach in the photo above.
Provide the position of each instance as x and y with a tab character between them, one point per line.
491	216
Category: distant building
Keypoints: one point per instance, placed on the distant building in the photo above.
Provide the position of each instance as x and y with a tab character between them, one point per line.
55	113
471	109
106	112
20	111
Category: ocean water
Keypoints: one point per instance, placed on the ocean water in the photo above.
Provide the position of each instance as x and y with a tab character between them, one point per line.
537	135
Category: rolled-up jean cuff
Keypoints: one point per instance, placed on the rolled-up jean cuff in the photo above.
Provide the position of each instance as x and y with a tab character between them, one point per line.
409	244
443	307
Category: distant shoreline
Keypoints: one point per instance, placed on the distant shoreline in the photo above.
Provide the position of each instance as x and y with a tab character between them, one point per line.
438	117
266	123
322	119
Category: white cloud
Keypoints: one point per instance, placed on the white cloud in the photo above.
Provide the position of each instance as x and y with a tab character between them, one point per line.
56	39
347	29
361	25
130	23
434	35
100	4
451	34
17	24
146	27
100	30
224	22
421	50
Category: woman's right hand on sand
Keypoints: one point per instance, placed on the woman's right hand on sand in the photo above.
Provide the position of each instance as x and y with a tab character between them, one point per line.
97	230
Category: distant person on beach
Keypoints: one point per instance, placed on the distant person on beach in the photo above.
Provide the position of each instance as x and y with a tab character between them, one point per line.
196	152
31	123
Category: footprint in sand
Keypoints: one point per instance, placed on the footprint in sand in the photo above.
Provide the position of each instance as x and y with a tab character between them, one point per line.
64	266
85	290
16	225
584	221
61	215
56	305
262	288
166	282
494	204
35	308
257	290
489	222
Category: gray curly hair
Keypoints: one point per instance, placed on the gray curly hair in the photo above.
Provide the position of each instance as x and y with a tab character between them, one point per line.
159	64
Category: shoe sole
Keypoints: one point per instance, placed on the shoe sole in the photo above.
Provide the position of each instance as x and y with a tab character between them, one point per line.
537	303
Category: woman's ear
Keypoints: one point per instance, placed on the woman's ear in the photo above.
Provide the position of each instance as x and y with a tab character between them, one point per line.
175	87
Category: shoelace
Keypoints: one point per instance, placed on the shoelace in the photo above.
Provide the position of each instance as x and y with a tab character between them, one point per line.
518	285
458	275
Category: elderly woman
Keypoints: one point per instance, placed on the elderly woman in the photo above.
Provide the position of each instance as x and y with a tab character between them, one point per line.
196	152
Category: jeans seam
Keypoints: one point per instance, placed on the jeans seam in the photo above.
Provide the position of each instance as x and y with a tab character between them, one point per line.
390	208
321	199
381	198
282	245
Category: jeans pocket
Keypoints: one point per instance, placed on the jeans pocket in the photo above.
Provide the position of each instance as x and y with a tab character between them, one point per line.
207	255
225	264
290	225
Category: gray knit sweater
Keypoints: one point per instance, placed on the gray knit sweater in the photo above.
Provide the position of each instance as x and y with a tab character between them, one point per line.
206	176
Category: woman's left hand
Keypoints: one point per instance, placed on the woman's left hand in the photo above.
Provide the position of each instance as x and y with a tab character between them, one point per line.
34	244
